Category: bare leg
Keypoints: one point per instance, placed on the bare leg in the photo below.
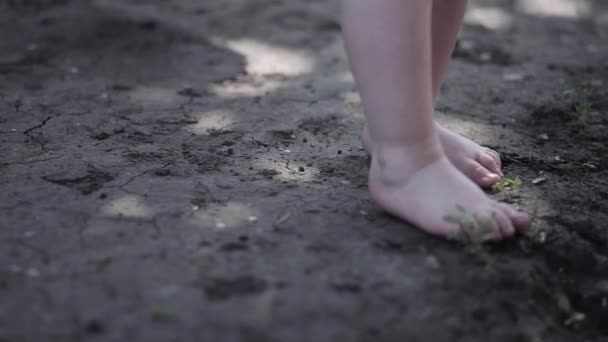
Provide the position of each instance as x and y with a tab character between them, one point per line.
447	19
479	163
389	46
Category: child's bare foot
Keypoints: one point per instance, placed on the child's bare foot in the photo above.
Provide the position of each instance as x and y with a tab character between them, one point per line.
420	185
480	164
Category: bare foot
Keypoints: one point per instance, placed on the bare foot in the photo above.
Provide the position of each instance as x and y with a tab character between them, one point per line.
480	164
427	190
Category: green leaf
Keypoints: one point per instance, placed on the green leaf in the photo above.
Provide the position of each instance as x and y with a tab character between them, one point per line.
563	303
162	314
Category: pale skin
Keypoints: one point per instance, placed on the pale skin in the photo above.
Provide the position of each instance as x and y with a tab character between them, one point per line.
420	172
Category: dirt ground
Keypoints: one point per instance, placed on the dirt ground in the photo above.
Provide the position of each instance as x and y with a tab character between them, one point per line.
190	171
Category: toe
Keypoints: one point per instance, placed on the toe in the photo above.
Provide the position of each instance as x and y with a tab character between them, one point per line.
498	234
481	174
520	219
489	162
505	224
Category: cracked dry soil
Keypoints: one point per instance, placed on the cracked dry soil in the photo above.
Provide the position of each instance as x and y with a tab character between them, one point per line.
190	171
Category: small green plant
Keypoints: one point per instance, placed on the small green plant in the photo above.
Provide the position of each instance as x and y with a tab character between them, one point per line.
583	111
474	232
581	104
565	306
507	183
162	314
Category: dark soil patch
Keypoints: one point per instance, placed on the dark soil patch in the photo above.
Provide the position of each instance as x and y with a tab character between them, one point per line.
91	182
222	289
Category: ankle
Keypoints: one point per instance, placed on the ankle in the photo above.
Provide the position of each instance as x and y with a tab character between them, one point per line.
395	161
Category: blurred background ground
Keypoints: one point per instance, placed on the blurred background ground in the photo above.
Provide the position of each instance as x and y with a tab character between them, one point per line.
190	171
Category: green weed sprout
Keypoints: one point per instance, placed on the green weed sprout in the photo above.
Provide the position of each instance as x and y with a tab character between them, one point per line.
474	233
565	306
507	183
582	105
161	314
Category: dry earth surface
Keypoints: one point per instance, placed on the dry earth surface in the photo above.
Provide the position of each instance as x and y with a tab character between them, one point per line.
190	171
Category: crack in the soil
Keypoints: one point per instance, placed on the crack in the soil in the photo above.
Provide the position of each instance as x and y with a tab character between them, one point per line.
40	125
29	161
122	186
45	255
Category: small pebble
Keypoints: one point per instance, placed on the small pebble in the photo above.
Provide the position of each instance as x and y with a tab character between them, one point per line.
590	166
220	225
597	83
252	219
539	180
287	151
32	272
513	77
339	151
301	169
543	136
231	151
542	237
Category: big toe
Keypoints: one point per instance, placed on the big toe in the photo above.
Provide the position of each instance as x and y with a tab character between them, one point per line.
521	220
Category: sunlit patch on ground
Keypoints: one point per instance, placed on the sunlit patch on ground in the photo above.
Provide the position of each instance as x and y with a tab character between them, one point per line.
235	90
211	120
555	8
263	58
223	215
131	206
481	132
494	18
